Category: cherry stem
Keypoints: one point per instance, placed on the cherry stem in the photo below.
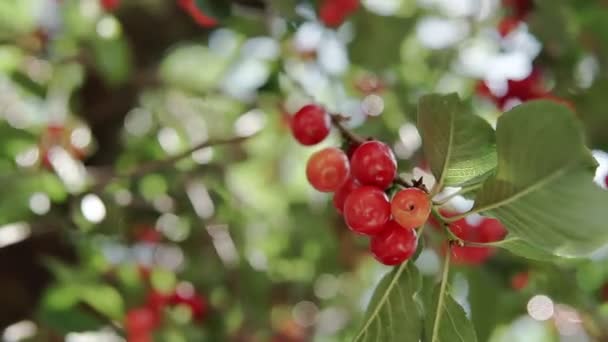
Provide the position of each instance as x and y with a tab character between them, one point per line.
349	135
444	281
352	137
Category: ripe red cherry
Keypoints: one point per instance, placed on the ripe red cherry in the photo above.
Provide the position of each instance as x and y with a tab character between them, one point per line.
310	125
196	303
110	5
331	14
394	244
157	301
141	321
508	25
366	210
373	163
142	337
343	192
469	255
411	207
327	169
520	280
491	230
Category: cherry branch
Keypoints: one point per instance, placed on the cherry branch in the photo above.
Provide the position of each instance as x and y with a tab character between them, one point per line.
156	165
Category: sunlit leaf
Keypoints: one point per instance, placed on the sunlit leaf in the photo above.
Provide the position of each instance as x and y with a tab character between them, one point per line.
543	190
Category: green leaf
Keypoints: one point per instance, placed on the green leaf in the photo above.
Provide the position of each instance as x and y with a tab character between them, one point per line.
458	145
454	326
217	9
543	190
522	248
113	59
104	299
393	314
182	68
364	49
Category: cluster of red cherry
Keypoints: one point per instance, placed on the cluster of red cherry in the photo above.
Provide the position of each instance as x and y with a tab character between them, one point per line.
359	185
333	12
187	5
530	88
533	86
483	230
141	322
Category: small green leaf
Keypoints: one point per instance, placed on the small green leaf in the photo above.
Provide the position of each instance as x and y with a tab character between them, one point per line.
104	299
393	314
543	190
163	280
458	145
454	326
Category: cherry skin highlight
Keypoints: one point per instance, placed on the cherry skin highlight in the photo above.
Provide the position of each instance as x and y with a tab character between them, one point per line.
373	163
310	125
327	169
366	210
411	207
394	244
343	192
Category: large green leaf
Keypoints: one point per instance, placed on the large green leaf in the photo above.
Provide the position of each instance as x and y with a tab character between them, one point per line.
458	145
542	190
454	326
393	314
522	248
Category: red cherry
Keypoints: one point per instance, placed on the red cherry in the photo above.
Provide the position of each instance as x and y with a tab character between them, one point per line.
467	255
366	210
148	234
141	321
411	207
196	303
520	280
199	17
327	169
348	6
157	301
394	244
310	125
140	337
606	181
343	192
491	230
508	25
110	5
373	163
331	14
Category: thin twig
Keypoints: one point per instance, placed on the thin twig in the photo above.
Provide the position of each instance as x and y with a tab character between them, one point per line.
444	281
338	120
156	165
